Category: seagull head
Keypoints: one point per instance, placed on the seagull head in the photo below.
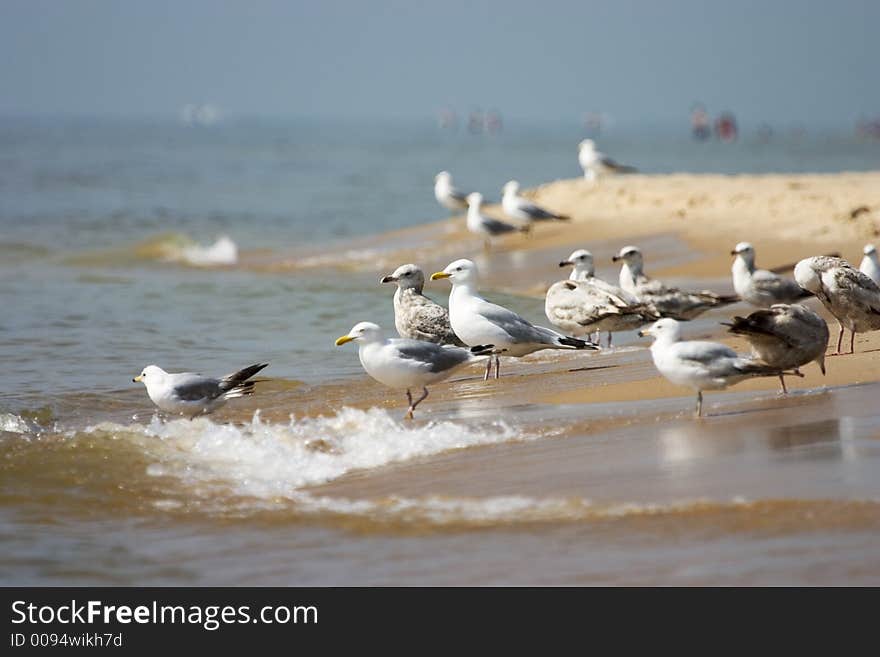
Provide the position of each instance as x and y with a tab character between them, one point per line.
869	250
743	248
363	332
406	276
459	272
581	260
666	329
511	188
149	374
631	255
807	277
474	199
587	144
443	176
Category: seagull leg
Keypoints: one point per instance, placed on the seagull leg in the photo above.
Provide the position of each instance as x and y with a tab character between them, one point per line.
782	381
609	340
699	403
839	338
497	366
409	412
487	246
413	404
852	342
488	368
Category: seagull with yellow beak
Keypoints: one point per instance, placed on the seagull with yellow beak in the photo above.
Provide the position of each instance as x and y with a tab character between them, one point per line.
405	363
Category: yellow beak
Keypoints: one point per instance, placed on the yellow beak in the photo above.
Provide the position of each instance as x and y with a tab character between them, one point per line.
438	275
341	341
137	379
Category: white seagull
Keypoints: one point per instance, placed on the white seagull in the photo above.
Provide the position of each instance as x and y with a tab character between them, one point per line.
848	294
191	394
666	301
479	322
596	164
760	287
870	265
700	365
784	336
415	315
487	227
522	209
405	363
447	195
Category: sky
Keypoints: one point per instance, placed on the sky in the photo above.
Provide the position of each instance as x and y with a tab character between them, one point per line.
804	62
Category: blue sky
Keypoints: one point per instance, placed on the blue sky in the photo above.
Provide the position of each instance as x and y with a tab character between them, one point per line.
809	61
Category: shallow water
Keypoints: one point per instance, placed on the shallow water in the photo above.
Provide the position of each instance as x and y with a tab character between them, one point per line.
316	480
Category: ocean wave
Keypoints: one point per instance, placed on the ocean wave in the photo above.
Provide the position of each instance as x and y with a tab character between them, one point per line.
454	513
267	461
168	247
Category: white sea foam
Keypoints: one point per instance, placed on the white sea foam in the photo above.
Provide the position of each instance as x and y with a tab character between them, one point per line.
222	252
12	423
265	460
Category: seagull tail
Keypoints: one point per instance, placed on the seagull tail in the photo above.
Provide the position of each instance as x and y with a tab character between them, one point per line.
750	325
724	299
237	384
756	368
575	343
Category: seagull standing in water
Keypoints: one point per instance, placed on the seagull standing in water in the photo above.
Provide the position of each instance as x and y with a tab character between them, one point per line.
697	364
848	294
870	265
487	227
447	195
760	287
666	301
415	316
522	209
784	336
191	394
596	164
405	363
479	322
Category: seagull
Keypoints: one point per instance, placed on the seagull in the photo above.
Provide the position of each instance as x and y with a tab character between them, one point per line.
522	209
848	294
478	322
870	265
191	394
784	336
700	365
405	363
488	227
415	316
666	301
760	287
595	163
447	195
579	308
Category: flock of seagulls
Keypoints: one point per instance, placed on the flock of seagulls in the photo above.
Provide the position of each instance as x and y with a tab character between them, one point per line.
521	210
435	341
